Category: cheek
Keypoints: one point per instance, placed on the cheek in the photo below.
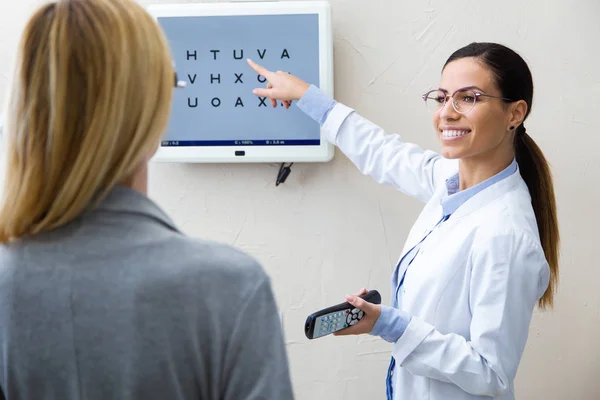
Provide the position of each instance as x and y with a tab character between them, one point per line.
488	128
485	122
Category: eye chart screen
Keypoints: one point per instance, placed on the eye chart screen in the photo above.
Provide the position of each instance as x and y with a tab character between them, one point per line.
217	108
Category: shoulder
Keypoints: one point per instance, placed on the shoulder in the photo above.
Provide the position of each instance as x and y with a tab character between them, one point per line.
216	258
217	274
509	223
508	245
510	215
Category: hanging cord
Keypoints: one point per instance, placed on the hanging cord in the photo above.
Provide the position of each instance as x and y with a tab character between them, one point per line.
284	172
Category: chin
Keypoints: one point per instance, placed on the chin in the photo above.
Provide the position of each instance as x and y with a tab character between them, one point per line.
451	152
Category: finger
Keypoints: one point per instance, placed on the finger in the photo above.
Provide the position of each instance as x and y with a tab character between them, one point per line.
259	69
273	101
359	303
358	293
263	93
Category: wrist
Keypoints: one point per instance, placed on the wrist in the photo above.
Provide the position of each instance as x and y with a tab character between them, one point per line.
302	90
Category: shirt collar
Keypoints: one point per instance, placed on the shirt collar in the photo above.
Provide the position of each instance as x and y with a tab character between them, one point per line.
455	198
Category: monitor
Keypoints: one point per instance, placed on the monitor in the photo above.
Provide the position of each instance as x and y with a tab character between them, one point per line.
216	117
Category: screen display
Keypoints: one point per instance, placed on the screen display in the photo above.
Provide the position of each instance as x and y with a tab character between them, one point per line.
218	108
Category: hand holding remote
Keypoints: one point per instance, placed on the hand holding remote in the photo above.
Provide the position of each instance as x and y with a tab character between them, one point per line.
345	316
366	324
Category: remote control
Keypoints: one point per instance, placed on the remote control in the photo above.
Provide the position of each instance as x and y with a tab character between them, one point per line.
338	317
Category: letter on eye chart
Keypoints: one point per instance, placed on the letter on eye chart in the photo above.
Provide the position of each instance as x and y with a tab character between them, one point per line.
190	55
216	77
240	57
190	103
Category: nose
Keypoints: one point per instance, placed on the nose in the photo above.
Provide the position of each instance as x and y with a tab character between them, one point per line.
448	112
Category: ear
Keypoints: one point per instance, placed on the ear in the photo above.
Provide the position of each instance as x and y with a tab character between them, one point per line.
517	112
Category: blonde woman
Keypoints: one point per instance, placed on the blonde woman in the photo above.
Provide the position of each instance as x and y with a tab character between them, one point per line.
101	297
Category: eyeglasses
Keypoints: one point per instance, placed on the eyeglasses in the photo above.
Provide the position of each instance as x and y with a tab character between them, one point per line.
463	100
178	83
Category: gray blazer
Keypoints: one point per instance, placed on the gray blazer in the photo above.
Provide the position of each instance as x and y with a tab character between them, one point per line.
119	304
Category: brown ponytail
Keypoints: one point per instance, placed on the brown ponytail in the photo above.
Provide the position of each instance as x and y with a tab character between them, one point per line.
536	173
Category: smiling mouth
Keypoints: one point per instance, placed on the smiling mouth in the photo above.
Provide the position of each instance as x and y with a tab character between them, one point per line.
453	134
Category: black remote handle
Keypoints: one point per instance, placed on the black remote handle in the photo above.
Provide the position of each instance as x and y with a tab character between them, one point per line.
338	317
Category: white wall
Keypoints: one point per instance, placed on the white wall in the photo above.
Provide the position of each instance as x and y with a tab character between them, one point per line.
329	230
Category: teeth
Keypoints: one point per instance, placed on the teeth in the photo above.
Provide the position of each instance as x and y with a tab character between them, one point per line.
454	133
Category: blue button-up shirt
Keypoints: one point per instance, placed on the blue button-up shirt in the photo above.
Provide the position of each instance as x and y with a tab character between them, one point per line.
392	322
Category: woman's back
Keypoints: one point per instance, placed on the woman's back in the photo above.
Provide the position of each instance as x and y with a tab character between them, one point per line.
101	297
120	304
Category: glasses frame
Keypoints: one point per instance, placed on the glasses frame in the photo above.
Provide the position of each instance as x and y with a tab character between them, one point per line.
178	83
476	96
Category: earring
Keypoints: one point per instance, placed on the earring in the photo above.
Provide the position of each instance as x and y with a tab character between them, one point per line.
512	128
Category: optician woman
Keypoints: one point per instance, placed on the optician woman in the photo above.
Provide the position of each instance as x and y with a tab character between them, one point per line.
483	251
101	296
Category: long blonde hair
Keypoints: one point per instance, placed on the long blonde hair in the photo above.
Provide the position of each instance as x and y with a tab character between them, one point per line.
90	100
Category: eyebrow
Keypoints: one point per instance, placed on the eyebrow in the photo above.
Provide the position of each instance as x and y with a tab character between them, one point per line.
468	87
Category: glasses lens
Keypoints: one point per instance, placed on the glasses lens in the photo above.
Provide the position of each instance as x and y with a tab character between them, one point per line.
435	100
464	101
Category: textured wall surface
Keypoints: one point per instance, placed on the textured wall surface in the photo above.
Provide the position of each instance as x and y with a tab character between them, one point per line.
329	230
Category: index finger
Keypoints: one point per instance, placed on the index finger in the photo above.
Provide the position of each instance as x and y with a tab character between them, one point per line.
259	68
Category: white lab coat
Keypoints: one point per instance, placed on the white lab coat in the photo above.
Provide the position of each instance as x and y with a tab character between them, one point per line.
473	286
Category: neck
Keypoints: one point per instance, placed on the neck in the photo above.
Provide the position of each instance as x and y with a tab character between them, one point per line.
474	170
138	180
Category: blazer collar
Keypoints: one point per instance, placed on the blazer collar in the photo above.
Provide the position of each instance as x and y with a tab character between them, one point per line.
123	199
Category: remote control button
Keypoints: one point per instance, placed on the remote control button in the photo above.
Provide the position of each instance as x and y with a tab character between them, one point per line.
354	321
347	311
361	314
349	318
354	316
355	311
